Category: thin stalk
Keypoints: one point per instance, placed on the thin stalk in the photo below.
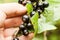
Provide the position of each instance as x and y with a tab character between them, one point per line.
45	37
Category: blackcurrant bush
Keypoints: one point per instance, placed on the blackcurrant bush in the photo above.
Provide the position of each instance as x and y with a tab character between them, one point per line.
45	4
20	1
15	38
22	27
32	13
29	26
25	32
25	18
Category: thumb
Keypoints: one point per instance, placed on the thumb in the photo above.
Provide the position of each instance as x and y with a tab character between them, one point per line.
2	18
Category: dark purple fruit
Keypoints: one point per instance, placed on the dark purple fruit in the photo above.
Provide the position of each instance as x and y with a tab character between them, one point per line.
34	0
15	38
20	1
28	1
25	18
43	0
24	2
22	27
35	7
45	4
40	5
25	32
29	26
39	11
32	13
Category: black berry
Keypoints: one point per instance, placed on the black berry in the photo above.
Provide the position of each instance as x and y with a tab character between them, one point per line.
35	7
22	27
45	4
40	5
15	38
42	9
25	32
25	18
43	0
20	1
28	1
39	11
24	2
33	0
32	13
29	26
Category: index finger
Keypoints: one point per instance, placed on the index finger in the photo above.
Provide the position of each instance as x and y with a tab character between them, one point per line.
13	9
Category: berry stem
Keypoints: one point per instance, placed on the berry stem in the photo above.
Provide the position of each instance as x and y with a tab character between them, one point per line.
45	37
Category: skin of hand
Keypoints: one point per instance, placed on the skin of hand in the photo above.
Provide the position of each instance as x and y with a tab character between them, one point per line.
11	17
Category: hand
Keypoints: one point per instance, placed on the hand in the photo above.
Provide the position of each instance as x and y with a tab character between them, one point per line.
10	18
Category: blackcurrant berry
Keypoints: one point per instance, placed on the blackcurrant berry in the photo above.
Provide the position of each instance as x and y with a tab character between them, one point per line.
22	27
20	1
29	26
35	7
45	4
40	5
25	32
28	1
15	38
32	13
34	0
25	18
24	2
42	9
43	0
39	11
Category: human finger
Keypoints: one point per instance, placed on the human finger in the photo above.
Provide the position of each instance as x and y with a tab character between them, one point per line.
13	22
13	9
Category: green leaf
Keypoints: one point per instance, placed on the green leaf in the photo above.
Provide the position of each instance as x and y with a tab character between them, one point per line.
44	26
56	12
54	2
48	14
39	37
29	7
34	21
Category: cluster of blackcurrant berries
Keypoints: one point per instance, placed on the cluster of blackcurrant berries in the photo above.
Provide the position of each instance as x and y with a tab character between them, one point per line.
25	26
37	7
